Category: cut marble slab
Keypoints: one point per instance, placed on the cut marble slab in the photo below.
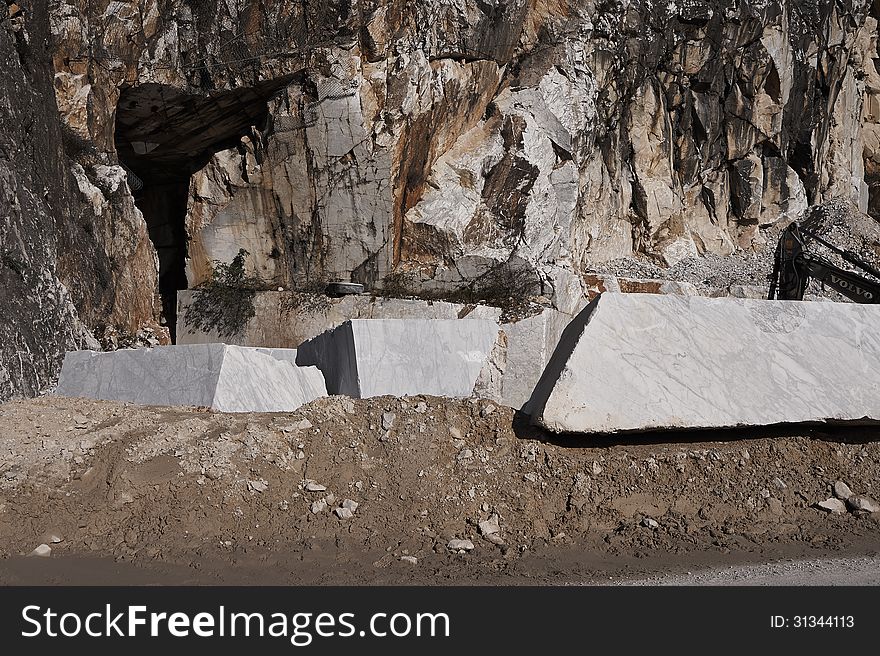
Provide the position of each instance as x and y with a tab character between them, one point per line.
218	376
637	362
374	357
519	360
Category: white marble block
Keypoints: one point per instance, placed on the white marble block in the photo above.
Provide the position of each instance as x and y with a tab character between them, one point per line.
218	376
636	362
374	357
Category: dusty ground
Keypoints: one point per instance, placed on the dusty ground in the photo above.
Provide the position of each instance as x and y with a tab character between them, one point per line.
141	495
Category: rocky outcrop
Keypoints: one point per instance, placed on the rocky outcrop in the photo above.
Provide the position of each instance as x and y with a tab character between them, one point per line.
72	258
448	149
429	146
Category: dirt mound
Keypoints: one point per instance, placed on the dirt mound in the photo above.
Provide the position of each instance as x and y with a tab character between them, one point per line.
343	489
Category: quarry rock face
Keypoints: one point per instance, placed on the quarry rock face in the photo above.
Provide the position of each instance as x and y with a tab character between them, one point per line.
224	378
75	259
400	357
421	148
434	144
632	362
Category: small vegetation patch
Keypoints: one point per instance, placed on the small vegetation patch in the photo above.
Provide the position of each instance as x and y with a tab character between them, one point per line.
225	303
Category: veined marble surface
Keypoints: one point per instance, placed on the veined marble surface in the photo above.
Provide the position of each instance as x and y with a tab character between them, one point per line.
374	357
225	378
631	362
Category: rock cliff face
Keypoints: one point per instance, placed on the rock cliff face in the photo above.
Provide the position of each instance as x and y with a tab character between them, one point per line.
74	259
444	146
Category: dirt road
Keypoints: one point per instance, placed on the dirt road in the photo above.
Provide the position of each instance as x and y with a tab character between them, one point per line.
375	491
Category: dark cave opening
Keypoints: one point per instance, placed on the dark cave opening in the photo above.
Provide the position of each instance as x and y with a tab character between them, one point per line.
164	135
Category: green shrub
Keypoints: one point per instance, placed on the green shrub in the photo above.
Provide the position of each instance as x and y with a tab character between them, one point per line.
225	303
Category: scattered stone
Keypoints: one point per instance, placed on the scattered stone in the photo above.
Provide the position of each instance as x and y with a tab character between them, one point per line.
330	499
779	484
344	513
412	560
52	538
456	434
351	505
774	505
460	545
421	407
495	538
123	499
465	454
862	504
487	410
319	506
312	486
650	523
490	526
833	506
260	485
388	420
597	468
531	477
301	425
43	551
348	406
842	491
765	493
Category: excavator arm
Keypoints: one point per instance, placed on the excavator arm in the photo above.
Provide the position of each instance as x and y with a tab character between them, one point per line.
794	266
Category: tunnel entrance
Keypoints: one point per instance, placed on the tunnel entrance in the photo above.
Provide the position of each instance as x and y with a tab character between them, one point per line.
163	136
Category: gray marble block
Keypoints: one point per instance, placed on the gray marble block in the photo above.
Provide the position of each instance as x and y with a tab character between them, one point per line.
374	357
636	362
218	376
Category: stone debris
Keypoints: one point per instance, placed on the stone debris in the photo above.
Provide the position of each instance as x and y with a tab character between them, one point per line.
312	486
495	538
650	523
43	551
842	491
858	503
301	425
260	485
490	526
421	407
665	351
344	513
460	545
487	410
350	505
217	376
319	506
833	506
779	484
412	560
465	454
388	420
